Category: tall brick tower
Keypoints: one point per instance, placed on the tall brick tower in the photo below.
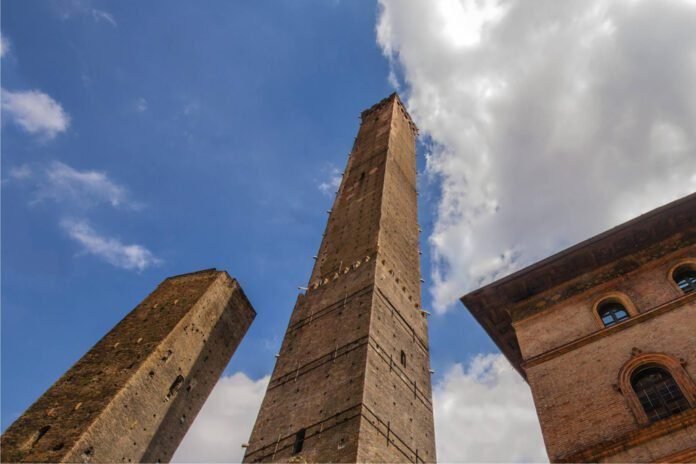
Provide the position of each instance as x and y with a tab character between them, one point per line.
352	380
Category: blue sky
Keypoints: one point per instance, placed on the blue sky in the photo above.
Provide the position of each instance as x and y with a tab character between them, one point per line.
146	139
221	124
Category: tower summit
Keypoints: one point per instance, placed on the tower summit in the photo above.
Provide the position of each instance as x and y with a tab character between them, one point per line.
352	380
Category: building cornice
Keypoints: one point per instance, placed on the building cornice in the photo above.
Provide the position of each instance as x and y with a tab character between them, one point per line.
578	269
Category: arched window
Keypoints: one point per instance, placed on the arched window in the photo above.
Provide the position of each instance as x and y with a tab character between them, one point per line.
403	358
685	277
612	312
658	393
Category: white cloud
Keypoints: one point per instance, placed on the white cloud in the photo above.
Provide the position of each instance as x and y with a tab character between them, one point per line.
225	421
68	9
35	112
141	105
330	186
111	250
485	413
21	172
101	15
550	121
4	45
64	184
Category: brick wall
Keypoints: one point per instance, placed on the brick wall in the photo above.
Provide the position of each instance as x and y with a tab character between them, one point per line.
573	363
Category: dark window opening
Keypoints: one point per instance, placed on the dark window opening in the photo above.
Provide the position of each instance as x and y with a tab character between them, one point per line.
40	434
685	277
176	385
612	313
299	441
362	175
658	393
403	358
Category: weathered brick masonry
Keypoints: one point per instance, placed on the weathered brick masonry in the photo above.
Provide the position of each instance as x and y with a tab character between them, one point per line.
352	380
545	319
133	396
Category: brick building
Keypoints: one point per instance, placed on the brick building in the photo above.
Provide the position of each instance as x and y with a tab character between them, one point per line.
605	334
352	379
133	396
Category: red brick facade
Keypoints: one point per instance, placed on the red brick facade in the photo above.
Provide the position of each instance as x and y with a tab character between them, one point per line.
133	396
580	371
352	380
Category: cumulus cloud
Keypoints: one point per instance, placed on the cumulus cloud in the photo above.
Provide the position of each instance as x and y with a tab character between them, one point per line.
477	408
548	122
35	112
125	256
331	185
485	413
225	421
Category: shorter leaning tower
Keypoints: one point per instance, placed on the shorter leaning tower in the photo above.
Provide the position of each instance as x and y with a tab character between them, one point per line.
133	396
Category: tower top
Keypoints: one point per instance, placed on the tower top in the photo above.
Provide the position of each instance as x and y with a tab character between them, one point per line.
391	99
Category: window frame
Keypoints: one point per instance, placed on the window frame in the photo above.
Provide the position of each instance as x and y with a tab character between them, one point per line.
660	360
689	262
613	297
659	405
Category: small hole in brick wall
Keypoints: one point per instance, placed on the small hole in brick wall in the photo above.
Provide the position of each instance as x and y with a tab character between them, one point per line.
151	373
58	447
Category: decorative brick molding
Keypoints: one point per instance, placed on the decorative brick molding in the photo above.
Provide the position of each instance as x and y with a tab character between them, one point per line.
672	365
687	455
635	438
